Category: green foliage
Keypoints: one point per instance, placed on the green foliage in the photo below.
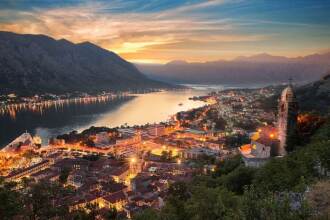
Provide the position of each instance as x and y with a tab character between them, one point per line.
39	201
204	160
177	196
111	214
179	190
237	140
293	141
148	214
10	201
226	166
80	214
208	203
63	178
236	180
266	205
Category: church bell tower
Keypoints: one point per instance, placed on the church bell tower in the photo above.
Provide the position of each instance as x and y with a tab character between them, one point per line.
287	118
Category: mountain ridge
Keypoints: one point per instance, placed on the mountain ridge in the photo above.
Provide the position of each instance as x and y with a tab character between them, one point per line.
315	96
260	68
38	64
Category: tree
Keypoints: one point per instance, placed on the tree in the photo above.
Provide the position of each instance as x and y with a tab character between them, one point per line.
148	214
63	178
237	140
10	201
111	214
79	214
179	190
228	165
257	204
212	204
39	202
238	179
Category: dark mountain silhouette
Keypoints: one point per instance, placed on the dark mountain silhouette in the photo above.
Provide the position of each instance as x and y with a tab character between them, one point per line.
315	96
261	68
37	64
312	97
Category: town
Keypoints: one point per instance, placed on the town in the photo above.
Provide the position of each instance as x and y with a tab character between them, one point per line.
131	168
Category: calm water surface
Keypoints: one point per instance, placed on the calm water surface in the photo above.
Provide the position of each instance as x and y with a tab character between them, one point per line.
138	110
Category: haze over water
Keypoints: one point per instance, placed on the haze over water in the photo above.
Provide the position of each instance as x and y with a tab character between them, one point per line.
138	110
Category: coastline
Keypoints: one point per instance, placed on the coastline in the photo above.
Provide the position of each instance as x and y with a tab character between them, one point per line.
141	109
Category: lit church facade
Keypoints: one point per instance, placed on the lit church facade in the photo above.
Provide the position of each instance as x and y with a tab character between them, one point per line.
271	141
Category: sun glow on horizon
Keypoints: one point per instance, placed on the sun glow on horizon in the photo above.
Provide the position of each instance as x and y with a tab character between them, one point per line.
194	31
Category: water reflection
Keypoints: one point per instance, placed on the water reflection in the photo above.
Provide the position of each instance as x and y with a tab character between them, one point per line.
63	117
40	106
150	108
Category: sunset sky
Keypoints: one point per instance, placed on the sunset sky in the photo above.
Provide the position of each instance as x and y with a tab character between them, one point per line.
158	31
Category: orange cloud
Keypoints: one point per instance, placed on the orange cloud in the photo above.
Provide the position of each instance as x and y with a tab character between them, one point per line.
148	37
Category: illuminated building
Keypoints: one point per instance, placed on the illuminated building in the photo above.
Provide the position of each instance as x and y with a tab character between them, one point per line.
115	200
269	141
263	145
156	130
17	175
22	142
287	118
197	152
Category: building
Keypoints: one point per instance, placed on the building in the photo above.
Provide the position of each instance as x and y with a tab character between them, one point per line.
115	200
156	130
197	152
269	141
21	143
26	172
264	144
287	118
255	155
128	139
120	174
195	134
